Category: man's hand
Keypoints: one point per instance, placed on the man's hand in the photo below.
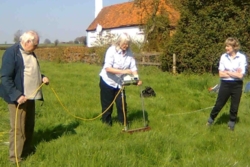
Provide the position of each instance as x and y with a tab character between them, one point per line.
46	80
139	83
22	99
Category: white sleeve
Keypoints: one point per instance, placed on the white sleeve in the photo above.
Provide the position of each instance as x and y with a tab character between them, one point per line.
109	57
221	64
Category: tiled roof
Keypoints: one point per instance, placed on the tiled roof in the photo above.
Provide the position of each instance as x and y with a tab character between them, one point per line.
128	14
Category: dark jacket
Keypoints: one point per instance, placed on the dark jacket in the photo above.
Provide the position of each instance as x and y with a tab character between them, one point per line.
12	74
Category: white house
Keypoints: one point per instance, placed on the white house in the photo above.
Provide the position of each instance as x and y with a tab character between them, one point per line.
118	18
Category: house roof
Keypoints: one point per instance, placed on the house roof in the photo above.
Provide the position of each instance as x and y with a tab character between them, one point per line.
128	14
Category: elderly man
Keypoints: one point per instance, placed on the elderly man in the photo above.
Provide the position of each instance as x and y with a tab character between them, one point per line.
20	78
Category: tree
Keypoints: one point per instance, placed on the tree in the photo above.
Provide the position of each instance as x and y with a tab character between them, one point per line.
17	36
202	30
155	22
76	42
199	38
47	41
70	42
80	40
56	42
105	39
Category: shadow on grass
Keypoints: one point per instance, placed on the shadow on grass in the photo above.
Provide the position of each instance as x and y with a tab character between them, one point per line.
224	118
135	116
54	132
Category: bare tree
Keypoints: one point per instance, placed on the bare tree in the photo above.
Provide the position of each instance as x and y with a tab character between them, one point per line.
17	35
56	42
47	41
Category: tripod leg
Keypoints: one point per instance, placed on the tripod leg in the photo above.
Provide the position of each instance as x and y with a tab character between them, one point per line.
123	110
143	110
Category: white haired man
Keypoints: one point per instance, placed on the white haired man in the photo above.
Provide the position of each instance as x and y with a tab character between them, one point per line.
20	78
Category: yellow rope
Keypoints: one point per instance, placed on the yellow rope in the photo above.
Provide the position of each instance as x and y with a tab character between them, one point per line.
84	119
16	121
191	112
17	164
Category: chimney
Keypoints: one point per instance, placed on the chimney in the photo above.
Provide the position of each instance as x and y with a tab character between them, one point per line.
98	7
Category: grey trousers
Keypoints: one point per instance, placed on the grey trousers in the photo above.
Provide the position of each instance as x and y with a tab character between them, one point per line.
22	128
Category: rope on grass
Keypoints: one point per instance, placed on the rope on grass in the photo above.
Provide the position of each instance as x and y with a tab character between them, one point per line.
84	119
189	112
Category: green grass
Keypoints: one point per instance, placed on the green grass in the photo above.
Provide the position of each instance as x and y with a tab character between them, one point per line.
177	117
1	53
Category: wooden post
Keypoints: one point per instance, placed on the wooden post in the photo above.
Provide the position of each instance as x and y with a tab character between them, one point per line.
174	63
143	59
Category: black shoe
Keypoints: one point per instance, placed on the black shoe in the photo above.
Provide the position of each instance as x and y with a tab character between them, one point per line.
27	152
210	122
231	128
231	125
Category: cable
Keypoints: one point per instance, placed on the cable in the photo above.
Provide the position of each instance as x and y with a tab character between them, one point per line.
64	109
189	112
16	135
17	108
84	119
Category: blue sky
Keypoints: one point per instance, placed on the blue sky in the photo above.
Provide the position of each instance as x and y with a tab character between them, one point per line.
53	19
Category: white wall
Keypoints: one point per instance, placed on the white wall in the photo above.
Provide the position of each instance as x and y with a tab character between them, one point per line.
134	32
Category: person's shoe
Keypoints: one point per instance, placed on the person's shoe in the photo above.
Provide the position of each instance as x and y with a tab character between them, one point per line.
210	121
231	128
27	152
14	160
109	123
231	125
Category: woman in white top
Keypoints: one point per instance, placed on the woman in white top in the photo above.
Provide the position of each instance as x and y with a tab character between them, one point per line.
232	69
119	62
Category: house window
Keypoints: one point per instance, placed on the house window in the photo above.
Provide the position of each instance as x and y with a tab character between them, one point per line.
140	32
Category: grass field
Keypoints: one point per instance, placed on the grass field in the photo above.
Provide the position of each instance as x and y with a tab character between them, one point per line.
177	117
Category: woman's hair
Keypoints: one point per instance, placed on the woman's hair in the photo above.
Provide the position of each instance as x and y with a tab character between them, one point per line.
231	41
28	36
123	38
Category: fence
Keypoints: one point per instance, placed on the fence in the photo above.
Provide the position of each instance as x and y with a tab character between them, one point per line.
86	55
148	59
